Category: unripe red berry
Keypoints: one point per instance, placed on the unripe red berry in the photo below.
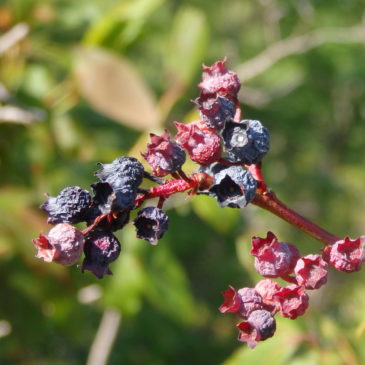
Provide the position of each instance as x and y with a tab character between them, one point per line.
311	271
267	289
293	301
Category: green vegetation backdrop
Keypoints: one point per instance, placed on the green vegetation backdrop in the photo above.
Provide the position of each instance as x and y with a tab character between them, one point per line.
85	81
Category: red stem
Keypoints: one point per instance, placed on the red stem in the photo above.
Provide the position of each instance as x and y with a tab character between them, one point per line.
270	202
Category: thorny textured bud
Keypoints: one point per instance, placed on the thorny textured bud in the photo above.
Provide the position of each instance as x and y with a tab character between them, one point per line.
311	271
101	249
63	244
234	187
273	258
151	224
203	145
246	142
293	301
217	79
164	155
346	255
215	110
71	205
259	326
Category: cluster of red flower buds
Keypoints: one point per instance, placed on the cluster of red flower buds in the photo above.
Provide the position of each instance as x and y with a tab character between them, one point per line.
228	151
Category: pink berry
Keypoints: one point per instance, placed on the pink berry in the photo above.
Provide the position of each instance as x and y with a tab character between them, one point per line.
311	271
346	255
267	289
250	301
293	301
64	244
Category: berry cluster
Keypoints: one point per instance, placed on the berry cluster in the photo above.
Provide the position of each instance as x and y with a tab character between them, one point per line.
228	151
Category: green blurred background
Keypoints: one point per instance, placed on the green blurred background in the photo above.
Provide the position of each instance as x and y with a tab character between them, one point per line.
86	81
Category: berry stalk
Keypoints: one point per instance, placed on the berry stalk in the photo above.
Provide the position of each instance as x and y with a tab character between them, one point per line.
270	202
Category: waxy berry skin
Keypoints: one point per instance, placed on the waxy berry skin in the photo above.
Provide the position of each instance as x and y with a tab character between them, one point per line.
63	245
101	249
151	224
246	142
234	187
71	205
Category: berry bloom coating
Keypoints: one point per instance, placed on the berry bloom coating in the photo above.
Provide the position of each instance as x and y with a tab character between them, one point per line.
250	301
71	205
164	155
203	145
311	271
151	224
101	248
121	171
215	110
259	326
217	79
246	142
232	301
267	289
234	187
63	244
293	301
346	255
273	258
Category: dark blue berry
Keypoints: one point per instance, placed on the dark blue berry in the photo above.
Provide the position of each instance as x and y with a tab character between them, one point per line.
151	224
233	187
71	205
246	142
101	248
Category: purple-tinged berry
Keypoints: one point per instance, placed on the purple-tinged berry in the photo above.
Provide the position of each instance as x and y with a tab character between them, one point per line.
151	223
250	301
246	142
101	249
63	245
259	326
346	255
202	144
215	110
311	271
71	205
164	155
121	171
217	79
234	187
273	258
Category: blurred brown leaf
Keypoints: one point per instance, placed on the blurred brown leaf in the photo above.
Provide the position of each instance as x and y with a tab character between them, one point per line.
113	86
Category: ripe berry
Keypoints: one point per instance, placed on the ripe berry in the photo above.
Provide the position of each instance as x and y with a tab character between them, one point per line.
250	301
63	244
273	258
246	142
215	110
71	205
203	145
164	155
234	186
101	248
151	224
346	255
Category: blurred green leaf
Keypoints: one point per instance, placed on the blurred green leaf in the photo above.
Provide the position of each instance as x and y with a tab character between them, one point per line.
113	86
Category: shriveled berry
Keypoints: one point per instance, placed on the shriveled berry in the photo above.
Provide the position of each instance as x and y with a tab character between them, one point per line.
122	170
215	110
232	301
234	187
273	258
250	301
101	249
151	224
293	301
63	245
203	145
267	289
217	79
71	205
311	271
259	326
164	155
246	142
346	255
